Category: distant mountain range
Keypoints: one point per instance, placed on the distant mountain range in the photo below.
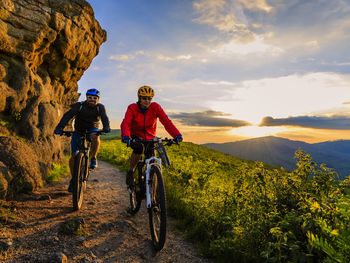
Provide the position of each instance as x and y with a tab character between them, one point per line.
277	151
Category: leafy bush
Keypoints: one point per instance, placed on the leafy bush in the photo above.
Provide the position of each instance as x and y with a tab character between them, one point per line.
253	213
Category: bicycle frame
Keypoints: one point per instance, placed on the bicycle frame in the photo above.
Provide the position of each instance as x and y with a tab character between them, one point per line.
149	164
85	145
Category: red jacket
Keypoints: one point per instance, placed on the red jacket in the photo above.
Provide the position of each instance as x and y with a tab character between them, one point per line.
144	125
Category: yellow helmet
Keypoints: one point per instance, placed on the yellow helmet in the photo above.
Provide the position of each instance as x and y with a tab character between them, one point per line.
145	91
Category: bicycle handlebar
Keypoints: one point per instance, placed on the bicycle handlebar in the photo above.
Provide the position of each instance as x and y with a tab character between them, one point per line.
69	133
168	142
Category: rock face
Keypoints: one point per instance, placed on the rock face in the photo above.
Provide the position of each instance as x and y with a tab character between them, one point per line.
45	47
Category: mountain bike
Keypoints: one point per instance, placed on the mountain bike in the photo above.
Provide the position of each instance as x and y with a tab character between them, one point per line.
149	185
81	169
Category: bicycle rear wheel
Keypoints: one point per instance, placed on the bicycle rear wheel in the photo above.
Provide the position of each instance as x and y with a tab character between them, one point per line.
136	193
78	179
157	212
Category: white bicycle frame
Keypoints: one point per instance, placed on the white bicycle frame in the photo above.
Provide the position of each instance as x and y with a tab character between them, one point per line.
157	162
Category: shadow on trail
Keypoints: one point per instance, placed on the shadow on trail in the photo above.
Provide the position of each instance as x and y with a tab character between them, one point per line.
42	196
121	241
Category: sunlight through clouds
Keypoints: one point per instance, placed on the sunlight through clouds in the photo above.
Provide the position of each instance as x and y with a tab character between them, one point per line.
257	46
286	96
257	131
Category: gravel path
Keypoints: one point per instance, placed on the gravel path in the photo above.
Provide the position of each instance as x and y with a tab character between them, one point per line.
112	235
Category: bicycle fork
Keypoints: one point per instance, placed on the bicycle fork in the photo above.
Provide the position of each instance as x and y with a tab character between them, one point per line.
148	179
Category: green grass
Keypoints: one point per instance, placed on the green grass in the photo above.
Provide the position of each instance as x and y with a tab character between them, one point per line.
251	212
115	152
113	135
58	171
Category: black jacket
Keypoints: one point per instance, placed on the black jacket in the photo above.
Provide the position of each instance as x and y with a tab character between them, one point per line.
86	117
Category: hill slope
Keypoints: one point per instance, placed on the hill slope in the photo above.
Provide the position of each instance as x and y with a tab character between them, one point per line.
280	152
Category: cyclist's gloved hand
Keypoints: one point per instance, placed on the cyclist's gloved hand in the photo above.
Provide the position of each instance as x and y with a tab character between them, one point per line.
106	130
126	140
58	131
178	139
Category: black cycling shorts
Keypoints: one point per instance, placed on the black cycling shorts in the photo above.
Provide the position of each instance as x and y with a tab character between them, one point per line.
138	148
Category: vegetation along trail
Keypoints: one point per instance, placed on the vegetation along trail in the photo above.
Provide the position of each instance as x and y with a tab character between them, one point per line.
42	230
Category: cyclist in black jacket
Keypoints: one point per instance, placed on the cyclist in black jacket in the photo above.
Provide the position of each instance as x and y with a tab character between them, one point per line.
87	116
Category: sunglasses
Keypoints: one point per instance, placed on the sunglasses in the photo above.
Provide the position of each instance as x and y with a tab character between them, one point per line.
146	98
92	97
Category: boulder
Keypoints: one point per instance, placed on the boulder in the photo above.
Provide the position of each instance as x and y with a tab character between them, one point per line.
45	47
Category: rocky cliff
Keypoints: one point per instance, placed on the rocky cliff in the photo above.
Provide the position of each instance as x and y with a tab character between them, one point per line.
45	47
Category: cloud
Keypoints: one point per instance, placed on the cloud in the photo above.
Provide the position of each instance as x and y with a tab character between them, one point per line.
221	16
258	5
229	16
346	102
149	55
120	57
256	46
173	58
297	24
208	118
316	122
274	27
217	83
127	57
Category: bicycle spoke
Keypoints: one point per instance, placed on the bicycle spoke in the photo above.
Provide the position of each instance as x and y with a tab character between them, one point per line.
79	184
135	191
157	212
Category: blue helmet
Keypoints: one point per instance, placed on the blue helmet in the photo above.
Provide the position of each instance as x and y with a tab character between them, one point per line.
93	92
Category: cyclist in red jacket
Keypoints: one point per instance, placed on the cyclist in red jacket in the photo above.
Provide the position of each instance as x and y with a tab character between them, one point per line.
140	121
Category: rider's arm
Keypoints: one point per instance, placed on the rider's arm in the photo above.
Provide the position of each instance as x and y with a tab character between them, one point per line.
68	116
126	123
104	117
167	123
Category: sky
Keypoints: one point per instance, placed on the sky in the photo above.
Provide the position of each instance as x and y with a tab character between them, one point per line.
228	70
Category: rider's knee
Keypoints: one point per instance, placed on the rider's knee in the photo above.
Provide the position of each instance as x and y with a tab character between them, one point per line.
95	138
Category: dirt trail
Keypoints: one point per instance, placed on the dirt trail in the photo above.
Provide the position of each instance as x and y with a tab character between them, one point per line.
113	235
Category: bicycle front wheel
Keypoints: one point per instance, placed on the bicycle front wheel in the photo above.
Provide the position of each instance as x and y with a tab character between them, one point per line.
157	211
136	192
78	179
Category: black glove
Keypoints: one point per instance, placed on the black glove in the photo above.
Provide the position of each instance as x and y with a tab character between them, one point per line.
178	139
58	131
106	130
126	140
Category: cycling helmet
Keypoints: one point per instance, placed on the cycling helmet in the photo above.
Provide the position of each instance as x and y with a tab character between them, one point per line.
93	92
145	91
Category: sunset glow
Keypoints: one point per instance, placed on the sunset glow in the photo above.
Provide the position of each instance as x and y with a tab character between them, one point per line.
256	131
220	68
